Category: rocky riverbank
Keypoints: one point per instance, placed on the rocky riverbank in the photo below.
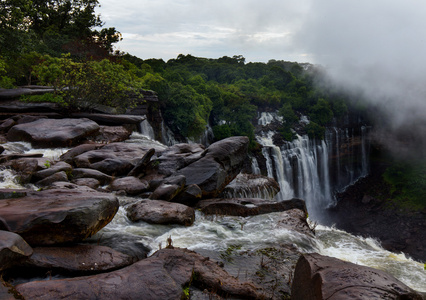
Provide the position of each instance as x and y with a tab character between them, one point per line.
43	232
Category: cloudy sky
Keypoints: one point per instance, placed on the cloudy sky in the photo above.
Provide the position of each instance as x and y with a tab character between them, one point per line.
376	45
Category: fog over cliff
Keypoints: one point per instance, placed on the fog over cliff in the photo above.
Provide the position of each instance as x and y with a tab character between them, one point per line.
376	47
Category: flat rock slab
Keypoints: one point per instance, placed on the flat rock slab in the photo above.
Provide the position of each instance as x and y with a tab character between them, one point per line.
161	276
79	259
13	249
321	277
248	206
58	215
161	212
53	132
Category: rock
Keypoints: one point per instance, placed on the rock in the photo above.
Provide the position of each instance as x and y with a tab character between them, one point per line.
7	124
248	206
12	193
252	186
7	292
189	196
221	163
161	212
79	259
161	276
89	182
169	188
26	167
131	185
55	168
105	119
53	132
13	250
142	163
58	215
68	156
112	134
321	277
103	178
1	149
18	92
178	156
60	176
113	159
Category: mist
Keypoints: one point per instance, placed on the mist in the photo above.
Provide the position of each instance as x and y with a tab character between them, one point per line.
376	48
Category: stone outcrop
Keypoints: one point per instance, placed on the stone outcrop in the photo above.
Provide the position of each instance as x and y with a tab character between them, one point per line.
320	277
161	212
66	133
218	166
248	206
58	215
161	276
131	185
13	250
252	186
112	159
78	259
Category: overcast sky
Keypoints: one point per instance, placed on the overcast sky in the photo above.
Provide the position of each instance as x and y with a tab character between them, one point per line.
377	45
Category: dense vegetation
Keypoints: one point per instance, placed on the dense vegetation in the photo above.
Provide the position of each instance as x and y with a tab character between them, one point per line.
407	181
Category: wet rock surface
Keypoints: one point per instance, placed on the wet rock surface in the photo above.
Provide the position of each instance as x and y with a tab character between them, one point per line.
161	276
321	277
13	250
161	212
67	132
58	215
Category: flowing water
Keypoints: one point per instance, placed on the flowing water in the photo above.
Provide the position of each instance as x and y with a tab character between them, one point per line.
218	233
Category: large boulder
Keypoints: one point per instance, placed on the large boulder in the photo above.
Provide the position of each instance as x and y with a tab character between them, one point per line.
252	186
113	159
53	132
320	277
248	206
131	185
79	259
58	215
164	275
218	165
161	212
13	250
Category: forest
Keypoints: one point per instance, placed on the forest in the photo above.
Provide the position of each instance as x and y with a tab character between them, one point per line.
62	44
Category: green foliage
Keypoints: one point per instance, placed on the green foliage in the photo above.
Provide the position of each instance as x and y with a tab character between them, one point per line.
88	84
48	97
315	131
321	113
408	184
5	81
186	110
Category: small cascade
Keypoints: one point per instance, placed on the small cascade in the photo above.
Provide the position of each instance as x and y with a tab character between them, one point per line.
146	129
167	137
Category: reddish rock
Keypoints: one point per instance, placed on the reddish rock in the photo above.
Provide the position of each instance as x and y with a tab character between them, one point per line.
58	215
131	185
248	206
161	276
90	173
79	259
161	212
89	182
320	277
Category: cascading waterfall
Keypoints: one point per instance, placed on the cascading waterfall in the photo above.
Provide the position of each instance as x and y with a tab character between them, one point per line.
313	170
147	130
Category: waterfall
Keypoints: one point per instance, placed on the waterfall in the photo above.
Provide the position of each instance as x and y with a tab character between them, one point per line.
314	170
147	130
